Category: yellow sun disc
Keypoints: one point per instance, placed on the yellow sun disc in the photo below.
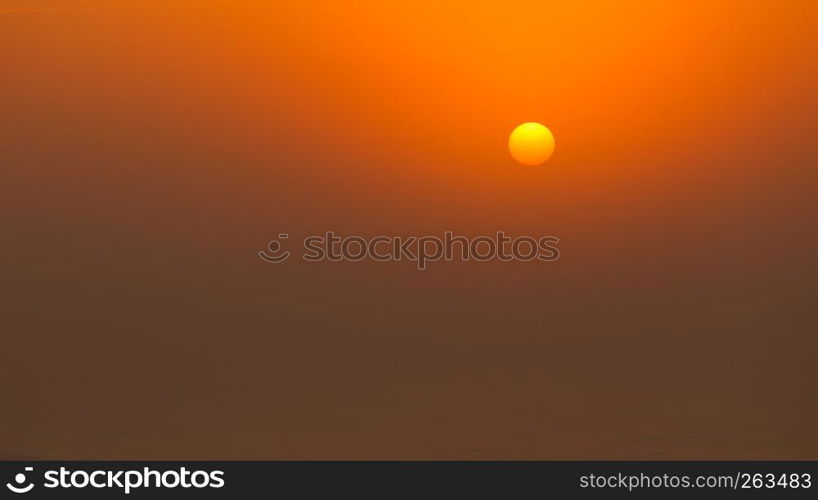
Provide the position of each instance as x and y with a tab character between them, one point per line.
531	143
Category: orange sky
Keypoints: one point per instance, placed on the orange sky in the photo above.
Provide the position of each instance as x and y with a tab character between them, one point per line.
415	100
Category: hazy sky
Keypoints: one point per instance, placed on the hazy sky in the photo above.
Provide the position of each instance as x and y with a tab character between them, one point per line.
149	150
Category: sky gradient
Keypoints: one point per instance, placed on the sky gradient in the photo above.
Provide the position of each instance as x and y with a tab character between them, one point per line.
149	149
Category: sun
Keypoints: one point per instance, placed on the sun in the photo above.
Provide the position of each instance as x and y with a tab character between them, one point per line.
531	143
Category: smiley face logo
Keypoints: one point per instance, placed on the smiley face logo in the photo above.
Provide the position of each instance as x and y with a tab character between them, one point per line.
20	486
